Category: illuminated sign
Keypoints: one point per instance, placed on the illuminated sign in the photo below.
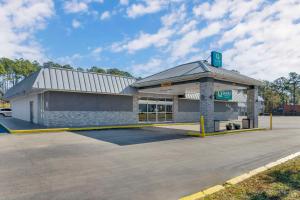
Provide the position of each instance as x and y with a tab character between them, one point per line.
216	59
225	95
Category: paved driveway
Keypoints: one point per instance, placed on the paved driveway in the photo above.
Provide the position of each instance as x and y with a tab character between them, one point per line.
159	164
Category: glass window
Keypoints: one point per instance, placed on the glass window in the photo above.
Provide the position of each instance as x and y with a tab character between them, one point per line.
151	107
152	117
161	108
142	108
169	108
142	117
169	116
161	117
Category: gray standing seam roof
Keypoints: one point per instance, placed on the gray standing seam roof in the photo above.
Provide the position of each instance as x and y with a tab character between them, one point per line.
193	71
59	79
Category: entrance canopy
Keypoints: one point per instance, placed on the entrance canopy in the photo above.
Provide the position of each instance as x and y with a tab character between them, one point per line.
185	79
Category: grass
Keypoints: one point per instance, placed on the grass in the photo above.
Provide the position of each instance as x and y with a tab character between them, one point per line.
279	183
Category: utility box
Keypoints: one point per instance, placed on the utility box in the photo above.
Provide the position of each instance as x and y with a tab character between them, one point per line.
247	123
217	125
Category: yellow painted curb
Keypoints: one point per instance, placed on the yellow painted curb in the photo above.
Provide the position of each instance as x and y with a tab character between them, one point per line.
193	134
93	128
213	189
272	164
197	134
238	179
257	171
195	196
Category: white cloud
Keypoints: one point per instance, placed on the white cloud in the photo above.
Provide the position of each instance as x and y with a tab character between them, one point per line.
71	60
76	23
161	38
177	15
75	6
258	38
105	15
96	53
191	25
144	40
265	45
97	50
186	45
154	65
78	6
124	2
19	21
147	7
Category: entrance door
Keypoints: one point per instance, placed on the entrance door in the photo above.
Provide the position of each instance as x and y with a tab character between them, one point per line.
155	110
31	111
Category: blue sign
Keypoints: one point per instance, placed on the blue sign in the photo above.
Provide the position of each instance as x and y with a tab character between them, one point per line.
216	59
225	95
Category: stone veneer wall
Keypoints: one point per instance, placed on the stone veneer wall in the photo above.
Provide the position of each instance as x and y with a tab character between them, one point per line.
87	118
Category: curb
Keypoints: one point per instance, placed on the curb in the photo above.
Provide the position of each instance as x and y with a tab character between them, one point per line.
27	131
238	179
197	134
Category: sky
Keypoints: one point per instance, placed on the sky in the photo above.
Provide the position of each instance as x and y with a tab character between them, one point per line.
259	38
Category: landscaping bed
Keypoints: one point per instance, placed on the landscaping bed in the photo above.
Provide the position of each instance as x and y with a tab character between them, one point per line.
279	183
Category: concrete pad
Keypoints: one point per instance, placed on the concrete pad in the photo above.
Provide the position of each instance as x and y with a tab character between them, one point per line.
130	164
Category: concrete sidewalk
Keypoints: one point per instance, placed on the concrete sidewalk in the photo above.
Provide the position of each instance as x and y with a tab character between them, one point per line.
67	165
17	124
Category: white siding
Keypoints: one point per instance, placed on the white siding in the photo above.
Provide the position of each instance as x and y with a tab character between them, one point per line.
21	109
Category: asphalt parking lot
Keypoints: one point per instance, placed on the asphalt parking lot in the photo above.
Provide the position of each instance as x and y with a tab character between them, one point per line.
148	163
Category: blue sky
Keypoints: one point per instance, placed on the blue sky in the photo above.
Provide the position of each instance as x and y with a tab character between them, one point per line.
259	38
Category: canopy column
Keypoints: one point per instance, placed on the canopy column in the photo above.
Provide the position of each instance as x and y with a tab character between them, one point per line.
252	105
207	103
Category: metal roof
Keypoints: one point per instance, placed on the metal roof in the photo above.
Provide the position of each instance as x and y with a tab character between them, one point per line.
195	71
59	79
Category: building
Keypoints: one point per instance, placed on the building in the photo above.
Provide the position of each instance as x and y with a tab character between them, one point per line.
67	98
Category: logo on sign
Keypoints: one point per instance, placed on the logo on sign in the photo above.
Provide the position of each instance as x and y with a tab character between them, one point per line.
225	95
216	59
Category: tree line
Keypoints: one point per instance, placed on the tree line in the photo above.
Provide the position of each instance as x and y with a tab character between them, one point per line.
13	71
280	92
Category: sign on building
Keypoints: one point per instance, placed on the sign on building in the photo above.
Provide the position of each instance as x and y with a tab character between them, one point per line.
225	95
216	59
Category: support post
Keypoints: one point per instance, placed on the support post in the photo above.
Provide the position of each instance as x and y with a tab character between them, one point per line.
271	121
202	128
207	103
252	105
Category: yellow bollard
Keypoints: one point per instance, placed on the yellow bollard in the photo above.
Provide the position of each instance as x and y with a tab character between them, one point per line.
271	121
202	126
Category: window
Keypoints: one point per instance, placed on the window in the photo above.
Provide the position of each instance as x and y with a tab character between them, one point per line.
155	109
142	107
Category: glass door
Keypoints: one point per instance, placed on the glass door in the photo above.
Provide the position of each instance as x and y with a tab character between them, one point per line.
155	110
152	112
161	113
